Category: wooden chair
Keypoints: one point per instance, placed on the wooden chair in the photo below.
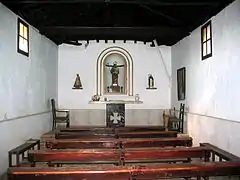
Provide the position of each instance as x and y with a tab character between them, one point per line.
176	124
59	119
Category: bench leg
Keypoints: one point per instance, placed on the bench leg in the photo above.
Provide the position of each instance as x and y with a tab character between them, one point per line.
23	157
38	145
17	160
50	164
68	124
10	159
33	164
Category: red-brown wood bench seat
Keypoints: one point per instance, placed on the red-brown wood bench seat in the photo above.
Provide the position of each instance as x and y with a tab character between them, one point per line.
126	172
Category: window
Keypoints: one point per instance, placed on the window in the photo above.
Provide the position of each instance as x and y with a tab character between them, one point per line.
206	40
23	37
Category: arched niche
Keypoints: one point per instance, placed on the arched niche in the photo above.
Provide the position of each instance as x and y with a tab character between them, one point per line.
105	63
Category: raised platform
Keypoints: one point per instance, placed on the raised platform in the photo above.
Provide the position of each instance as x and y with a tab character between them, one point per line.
51	134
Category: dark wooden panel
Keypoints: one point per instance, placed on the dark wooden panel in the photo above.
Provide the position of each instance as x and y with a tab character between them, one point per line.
143	134
170	153
81	144
86	129
83	135
119	110
162	142
139	128
73	155
127	172
114	129
116	155
147	134
114	143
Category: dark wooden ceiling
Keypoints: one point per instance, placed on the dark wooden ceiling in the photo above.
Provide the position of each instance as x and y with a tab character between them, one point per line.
167	21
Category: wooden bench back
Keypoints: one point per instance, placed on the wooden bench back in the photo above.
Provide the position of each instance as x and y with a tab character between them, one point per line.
116	156
90	134
87	156
162	142
116	143
170	153
82	144
107	129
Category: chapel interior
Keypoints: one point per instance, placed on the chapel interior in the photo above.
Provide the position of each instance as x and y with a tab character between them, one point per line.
119	89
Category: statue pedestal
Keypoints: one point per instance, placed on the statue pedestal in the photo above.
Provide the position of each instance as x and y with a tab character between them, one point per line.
115	88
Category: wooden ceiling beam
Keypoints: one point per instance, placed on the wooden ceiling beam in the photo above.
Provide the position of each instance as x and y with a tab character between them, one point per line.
111	30
151	2
165	35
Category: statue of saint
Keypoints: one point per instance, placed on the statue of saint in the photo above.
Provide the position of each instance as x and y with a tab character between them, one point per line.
150	81
77	84
114	71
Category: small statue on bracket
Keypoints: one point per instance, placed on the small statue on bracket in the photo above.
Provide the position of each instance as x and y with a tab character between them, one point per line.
150	82
77	84
137	97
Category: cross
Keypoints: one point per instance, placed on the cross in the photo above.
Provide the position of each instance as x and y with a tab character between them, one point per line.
116	117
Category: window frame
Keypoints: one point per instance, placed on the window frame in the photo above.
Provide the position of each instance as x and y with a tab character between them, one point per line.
205	26
20	21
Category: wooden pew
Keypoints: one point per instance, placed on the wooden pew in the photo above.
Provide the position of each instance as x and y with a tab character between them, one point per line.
147	134
117	129
126	172
162	142
87	129
144	134
20	150
116	143
182	154
83	135
120	156
139	128
70	156
81	144
220	153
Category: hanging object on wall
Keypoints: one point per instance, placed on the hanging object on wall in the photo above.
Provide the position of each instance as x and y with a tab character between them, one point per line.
181	83
77	84
151	82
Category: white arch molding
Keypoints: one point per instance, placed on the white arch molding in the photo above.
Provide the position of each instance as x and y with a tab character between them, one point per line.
100	68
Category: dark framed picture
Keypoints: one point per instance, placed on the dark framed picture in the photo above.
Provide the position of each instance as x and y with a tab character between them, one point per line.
181	83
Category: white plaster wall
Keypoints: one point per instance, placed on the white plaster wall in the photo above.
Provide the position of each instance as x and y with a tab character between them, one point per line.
26	84
73	60
212	85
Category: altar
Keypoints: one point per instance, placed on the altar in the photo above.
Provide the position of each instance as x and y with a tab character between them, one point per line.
115	111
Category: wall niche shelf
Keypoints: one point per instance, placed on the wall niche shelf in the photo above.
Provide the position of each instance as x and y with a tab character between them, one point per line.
77	88
151	88
115	102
